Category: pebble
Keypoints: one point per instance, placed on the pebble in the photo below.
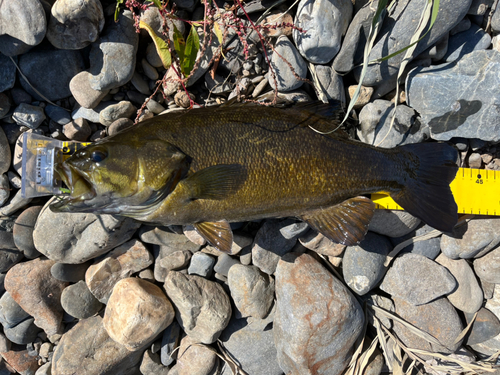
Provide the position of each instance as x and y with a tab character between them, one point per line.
201	264
363	265
176	260
53	84
79	302
5	344
131	298
323	24
429	248
113	55
4	189
276	23
485	327
75	24
90	114
491	346
151	365
71	273
119	125
331	83
472	39
5	153
23	333
495	20
152	56
417	280
468	296
11	314
155	107
149	70
15	204
9	258
140	84
4	105
120	263
169	342
78	237
320	244
28	115
21	361
20	96
224	264
111	113
164	236
251	290
182	99
487	268
481	235
83	93
7	74
204	309
28	283
195	358
88	346
58	114
77	130
287	80
316	311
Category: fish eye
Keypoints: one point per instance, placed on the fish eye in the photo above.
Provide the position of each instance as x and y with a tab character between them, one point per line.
98	155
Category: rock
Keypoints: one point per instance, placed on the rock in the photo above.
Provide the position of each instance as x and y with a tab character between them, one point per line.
5	344
331	83
375	125
466	42
74	24
201	264
77	130
4	105
44	369
155	20
90	114
120	263
8	258
5	154
485	327
169	343
224	264
83	93
317	319
131	298
140	84
247	340
382	302
365	94
251	290
271	242
71	273
37	292
79	302
78	237
88	346
495	20
164	236
194	358
119	125
323	24
28	115
468	296
278	24
19	95
11	314
487	268
203	307
429	248
363	265
16	203
317	242
151	364
176	260
23	25
149	70
123	109
393	223
437	51
23	333
152	56
491	346
21	361
58	67
417	280
58	114
4	189
112	57
7	74
481	235
285	79
460	105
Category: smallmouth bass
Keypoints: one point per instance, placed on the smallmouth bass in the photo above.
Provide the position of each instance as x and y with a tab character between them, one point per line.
212	166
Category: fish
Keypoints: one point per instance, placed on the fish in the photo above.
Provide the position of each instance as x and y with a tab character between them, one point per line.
210	167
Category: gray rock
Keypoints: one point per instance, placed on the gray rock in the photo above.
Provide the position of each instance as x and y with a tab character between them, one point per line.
8	258
466	42
468	296
485	327
417	280
164	236
90	114
74	24
201	264
438	318
7	73
314	311
251	290
224	264
11	314
23	333
491	346
272	241
247	340
58	67
58	114
152	56
285	79
195	358
77	130
393	223
83	93
112	57
151	365
149	70
119	125
495	20
28	115
487	268
23	231
375	125
23	25
88	346
155	107
4	105
217	84
153	18
19	95
111	113
437	51
323	24
71	273
331	83
363	265
4	189
317	242
16	203
382	302
170	340
480	7
203	308
78	302
176	260
481	235
78	237
140	84
461	105
5	153
429	248
5	344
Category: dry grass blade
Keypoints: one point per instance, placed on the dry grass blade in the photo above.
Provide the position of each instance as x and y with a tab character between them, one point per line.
320	91
226	358
366	357
383	343
466	329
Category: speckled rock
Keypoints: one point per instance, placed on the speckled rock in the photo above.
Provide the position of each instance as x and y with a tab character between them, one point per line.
131	298
203	308
11	314
485	327
21	361
28	115
83	93
5	155
287	80
487	268
317	242
23	333
317	319
77	130
37	292
393	223
78	301
194	358
123	109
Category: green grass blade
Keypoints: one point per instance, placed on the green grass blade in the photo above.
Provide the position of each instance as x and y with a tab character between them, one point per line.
191	51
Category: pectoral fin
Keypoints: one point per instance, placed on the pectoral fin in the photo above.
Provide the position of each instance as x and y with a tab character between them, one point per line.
218	234
345	223
216	182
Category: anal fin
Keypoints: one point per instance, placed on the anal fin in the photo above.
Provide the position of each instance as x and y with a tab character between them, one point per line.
218	234
345	223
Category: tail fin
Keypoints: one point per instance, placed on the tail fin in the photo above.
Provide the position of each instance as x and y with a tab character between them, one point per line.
427	194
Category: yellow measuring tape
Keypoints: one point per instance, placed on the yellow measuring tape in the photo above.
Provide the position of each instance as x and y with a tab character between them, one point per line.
476	191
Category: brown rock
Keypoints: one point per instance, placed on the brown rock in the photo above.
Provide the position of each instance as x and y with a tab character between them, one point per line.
85	95
278	24
364	95
136	313
77	130
322	245
21	361
32	286
194	358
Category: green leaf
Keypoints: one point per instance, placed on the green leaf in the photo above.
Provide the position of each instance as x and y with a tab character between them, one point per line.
157	3
218	32
160	44
191	51
117	9
179	43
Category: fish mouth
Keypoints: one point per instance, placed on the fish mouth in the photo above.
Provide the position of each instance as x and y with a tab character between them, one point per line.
81	189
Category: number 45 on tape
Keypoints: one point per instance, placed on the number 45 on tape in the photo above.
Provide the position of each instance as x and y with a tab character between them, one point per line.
476	191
